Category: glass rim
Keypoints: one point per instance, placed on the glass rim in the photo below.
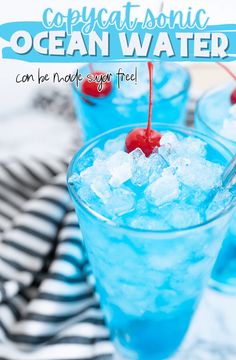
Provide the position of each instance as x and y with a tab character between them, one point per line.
200	117
184	90
90	144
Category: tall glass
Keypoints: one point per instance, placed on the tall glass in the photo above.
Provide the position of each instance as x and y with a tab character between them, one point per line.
211	111
149	282
130	104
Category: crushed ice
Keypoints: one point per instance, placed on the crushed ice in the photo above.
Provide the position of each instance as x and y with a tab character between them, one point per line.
177	177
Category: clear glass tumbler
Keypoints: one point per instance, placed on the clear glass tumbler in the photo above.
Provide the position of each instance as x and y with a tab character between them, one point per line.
149	282
212	109
129	105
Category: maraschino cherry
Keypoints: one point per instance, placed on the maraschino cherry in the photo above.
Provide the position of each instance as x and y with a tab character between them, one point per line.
233	97
91	88
145	139
233	94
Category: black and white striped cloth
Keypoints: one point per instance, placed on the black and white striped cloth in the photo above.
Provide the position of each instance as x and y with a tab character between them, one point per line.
48	309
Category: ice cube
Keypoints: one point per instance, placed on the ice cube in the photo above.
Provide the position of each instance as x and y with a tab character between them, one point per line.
98	154
169	143
140	167
101	188
179	162
85	162
192	197
184	216
142	206
161	75
135	91
173	83
157	162
98	169
168	172
166	258
229	129
114	145
137	154
153	177
193	147
120	167
169	140
120	202
200	174
120	100
165	152
232	111
87	175
222	200
85	193
149	223
163	190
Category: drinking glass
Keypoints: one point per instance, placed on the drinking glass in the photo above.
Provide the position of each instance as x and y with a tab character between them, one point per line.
149	282
211	111
129	104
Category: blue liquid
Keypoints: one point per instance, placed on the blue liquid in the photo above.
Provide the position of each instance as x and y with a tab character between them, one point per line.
122	107
160	336
148	308
149	282
212	109
224	272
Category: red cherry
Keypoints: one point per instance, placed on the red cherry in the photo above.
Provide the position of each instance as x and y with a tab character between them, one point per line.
145	139
138	138
233	76
91	88
233	97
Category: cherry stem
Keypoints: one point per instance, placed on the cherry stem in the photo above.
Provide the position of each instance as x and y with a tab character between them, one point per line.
91	69
150	70
227	70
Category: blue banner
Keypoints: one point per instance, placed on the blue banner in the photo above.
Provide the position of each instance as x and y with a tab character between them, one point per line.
70	39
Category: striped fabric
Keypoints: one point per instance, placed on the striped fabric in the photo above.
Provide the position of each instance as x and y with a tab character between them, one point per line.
48	309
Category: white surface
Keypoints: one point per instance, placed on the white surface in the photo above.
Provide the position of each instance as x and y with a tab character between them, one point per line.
212	335
35	133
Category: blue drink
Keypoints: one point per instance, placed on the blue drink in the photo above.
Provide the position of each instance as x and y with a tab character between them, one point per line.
129	104
216	117
150	248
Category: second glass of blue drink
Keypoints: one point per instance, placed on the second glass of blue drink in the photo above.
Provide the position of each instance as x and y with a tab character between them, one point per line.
129	104
216	117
